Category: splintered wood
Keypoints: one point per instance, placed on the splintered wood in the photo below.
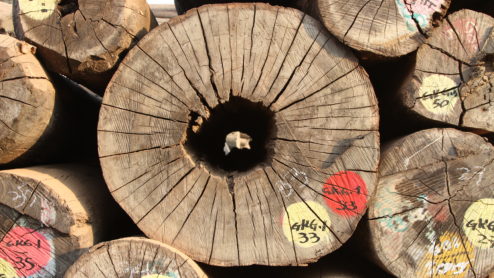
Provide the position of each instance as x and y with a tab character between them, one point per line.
305	199
134	257
82	39
389	28
454	73
433	212
27	99
49	216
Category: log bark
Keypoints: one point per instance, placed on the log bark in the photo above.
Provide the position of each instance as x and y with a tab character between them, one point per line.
82	39
389	28
273	74
134	257
451	81
49	215
432	215
42	116
6	25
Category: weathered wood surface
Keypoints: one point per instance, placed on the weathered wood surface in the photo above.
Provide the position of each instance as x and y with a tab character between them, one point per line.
43	118
183	6
134	257
388	28
27	98
82	39
49	215
453	75
6	24
272	73
433	212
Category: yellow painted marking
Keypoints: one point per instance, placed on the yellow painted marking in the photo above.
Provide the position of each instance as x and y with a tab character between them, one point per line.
448	257
439	94
7	269
37	9
478	223
309	227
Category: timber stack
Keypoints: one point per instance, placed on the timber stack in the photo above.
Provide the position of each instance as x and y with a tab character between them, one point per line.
138	143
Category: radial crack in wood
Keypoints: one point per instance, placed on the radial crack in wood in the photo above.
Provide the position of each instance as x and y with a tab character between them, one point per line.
134	257
49	215
82	39
433	212
453	75
272	73
382	28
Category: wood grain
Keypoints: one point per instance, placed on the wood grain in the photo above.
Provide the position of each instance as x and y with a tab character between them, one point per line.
324	146
82	39
433	206
451	82
134	257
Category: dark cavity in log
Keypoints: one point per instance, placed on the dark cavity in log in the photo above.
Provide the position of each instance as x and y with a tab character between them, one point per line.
66	7
206	140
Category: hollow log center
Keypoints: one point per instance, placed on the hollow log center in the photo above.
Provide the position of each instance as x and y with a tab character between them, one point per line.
235	138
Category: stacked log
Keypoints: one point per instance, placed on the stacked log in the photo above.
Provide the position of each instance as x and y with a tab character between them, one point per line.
49	215
453	74
432	214
81	39
272	74
134	257
40	118
163	12
378	28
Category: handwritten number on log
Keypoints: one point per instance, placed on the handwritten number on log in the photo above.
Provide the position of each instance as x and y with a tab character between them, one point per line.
312	236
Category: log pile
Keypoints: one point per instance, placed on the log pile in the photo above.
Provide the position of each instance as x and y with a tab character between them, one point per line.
135	142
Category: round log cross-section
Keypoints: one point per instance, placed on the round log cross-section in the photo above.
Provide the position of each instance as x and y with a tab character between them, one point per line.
82	39
454	72
27	98
134	257
49	215
433	212
388	28
272	78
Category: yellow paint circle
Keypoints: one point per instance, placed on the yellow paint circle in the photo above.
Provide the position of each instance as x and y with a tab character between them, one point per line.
478	223
37	9
439	94
7	269
447	257
306	223
167	275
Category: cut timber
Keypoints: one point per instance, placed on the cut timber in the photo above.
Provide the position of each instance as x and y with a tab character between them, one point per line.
389	28
27	98
433	212
49	215
273	74
184	5
40	122
454	73
82	39
6	25
134	257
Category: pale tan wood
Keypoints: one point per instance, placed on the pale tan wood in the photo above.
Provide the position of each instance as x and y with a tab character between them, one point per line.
321	119
83	39
435	186
134	257
49	216
451	81
27	98
183	6
6	24
389	28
